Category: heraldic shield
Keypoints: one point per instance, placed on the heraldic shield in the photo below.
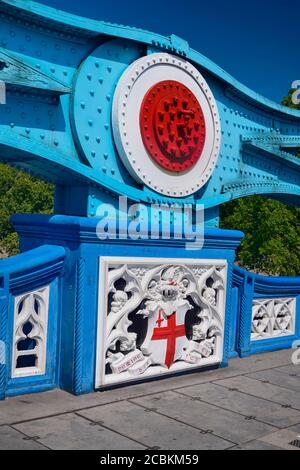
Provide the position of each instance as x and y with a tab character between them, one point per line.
160	317
166	338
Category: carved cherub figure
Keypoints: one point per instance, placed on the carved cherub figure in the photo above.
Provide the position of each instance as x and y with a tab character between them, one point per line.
198	333
119	300
209	294
129	343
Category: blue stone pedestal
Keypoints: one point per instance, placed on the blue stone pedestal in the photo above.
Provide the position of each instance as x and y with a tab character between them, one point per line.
79	290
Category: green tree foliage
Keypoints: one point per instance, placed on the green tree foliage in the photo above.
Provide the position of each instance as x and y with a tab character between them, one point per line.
20	193
288	101
272	234
272	230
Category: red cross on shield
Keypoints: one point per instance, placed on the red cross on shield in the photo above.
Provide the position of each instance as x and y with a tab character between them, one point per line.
166	337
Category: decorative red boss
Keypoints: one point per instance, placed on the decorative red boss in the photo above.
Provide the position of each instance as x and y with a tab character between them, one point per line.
167	132
172	126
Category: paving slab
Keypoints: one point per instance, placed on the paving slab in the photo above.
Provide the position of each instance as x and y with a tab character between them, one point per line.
28	407
257	388
153	429
277	377
222	423
247	405
72	432
283	439
295	428
33	406
11	439
195	411
256	445
290	370
267	360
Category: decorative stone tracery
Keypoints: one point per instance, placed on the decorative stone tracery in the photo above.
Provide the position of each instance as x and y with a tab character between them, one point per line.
161	316
273	318
30	333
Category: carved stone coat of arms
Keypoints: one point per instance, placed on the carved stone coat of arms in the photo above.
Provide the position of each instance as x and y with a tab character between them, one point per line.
160	316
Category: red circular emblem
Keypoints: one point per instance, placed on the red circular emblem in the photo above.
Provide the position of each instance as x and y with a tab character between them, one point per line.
172	126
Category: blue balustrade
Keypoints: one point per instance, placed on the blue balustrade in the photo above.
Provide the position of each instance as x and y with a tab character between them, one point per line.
30	316
265	312
106	112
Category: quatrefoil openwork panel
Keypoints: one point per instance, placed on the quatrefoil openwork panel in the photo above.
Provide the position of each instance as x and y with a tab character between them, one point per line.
273	318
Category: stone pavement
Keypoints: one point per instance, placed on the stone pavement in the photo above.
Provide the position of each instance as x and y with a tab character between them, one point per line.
253	404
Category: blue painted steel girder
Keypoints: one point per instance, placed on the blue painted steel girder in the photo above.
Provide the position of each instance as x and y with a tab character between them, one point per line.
61	72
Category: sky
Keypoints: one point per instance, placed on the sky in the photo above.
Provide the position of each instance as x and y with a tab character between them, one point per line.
256	41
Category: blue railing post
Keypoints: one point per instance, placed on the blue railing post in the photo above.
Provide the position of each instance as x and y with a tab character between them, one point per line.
4	299
245	320
79	326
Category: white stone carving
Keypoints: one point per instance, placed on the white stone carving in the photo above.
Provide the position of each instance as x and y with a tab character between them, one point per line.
273	318
158	316
30	333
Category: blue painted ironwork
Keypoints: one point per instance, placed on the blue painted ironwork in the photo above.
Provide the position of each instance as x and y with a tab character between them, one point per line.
61	72
57	123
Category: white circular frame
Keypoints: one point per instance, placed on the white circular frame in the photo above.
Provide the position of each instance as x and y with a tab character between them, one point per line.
132	87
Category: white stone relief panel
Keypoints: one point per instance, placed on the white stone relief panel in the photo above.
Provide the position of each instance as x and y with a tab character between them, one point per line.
30	333
159	316
272	318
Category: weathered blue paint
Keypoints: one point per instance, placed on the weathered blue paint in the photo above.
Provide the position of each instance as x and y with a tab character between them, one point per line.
61	72
65	131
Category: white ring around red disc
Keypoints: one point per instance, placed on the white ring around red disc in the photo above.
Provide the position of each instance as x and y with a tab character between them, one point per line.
132	87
